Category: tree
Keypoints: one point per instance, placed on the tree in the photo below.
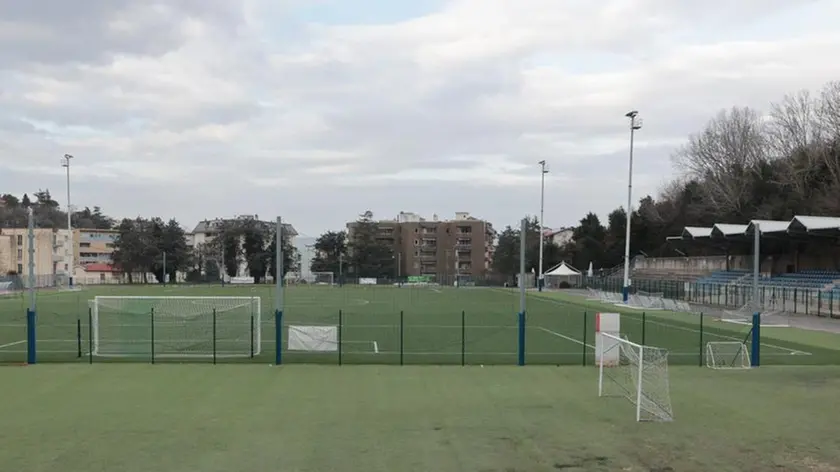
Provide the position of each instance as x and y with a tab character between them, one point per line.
588	238
506	256
369	256
10	200
173	244
255	237
129	247
330	248
25	201
724	155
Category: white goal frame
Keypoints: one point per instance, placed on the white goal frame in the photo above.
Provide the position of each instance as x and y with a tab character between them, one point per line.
637	396
256	334
736	348
316	274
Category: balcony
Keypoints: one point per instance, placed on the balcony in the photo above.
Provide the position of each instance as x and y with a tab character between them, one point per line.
57	257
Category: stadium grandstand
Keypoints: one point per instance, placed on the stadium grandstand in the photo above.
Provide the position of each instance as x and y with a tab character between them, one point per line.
799	266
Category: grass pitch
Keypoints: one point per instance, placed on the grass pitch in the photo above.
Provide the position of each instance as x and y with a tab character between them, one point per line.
410	325
138	417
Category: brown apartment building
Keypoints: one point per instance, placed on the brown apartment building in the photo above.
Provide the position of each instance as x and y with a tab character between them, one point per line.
441	248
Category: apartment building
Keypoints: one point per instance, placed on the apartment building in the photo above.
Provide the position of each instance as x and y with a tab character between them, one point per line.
51	252
95	246
462	246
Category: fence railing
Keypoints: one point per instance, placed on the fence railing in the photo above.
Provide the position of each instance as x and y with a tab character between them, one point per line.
564	336
786	299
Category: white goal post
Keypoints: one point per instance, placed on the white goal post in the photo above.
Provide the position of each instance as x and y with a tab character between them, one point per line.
637	373
727	355
323	278
178	326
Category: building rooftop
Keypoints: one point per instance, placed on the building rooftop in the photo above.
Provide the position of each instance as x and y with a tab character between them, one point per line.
206	226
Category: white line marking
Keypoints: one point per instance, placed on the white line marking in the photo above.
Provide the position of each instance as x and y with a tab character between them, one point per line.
793	352
375	348
12	344
564	337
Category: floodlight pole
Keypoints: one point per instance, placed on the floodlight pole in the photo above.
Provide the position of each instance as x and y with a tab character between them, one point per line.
66	163
541	278
635	124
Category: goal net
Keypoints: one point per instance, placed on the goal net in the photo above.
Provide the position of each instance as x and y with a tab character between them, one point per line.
637	373
727	355
771	316
323	278
175	326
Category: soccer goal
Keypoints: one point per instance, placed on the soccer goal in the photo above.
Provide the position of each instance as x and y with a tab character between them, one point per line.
771	317
323	278
175	326
727	355
637	373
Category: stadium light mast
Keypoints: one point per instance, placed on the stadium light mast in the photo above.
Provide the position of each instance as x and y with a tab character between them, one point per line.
635	123
66	163
541	276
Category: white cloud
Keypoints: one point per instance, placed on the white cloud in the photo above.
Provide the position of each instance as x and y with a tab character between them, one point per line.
214	107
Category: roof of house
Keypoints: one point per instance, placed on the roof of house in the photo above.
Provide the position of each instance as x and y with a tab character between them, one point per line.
99	267
206	226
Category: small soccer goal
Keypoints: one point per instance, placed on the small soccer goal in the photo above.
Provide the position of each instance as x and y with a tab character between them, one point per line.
770	317
637	373
180	327
727	355
323	278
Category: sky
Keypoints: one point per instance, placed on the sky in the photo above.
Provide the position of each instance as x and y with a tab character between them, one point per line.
320	110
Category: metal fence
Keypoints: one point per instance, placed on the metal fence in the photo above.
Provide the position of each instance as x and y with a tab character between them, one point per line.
786	299
564	337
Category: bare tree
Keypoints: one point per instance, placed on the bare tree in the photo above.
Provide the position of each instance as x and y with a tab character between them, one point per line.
725	155
795	137
828	111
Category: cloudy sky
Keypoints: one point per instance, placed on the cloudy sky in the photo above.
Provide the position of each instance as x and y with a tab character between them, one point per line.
319	110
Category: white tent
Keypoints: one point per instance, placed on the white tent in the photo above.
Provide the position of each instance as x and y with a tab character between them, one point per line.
562	272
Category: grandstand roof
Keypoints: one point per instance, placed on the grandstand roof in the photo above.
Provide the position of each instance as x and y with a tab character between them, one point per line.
816	225
693	232
724	229
767	226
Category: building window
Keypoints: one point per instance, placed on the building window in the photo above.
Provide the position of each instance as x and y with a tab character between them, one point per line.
20	268
84	244
65	267
20	239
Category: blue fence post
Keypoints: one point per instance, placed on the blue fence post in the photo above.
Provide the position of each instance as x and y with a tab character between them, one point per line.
755	356
278	337
521	338
30	337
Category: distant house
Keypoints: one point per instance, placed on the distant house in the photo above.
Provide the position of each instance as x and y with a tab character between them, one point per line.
560	236
98	273
206	230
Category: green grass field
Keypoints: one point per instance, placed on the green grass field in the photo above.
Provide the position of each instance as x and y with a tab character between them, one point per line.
390	325
65	415
139	417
